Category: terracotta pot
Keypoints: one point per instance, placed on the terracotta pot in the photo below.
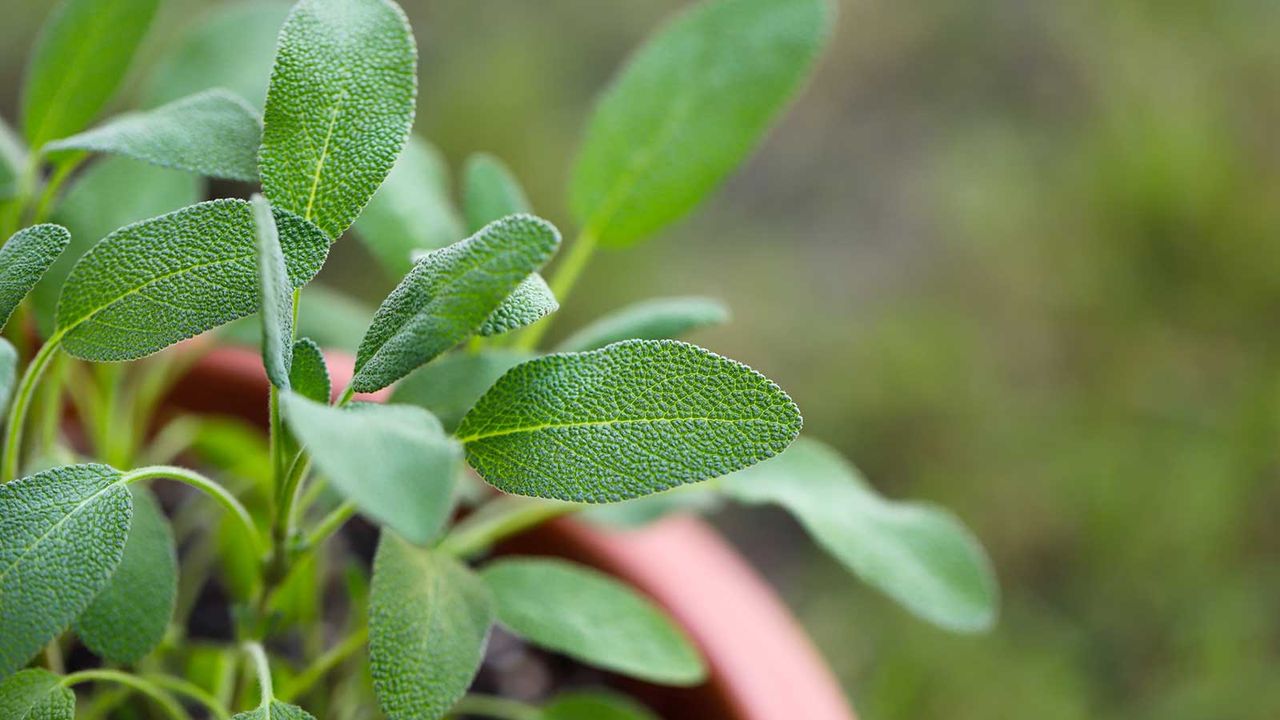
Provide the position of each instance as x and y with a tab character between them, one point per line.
762	666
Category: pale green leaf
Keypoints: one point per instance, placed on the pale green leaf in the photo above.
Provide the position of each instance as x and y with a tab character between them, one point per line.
531	301
211	133
595	706
275	710
339	108
36	694
656	319
690	105
592	618
81	56
447	297
921	556
450	386
24	259
62	534
490	191
628	420
13	160
642	511
308	375
429	621
156	282
393	461
8	372
130	616
275	296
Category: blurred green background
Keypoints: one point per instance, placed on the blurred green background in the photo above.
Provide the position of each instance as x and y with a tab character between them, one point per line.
1020	259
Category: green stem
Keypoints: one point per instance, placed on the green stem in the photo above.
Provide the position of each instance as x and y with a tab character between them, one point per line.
190	690
330	524
161	698
259	657
562	282
21	405
325	664
495	707
498	519
59	176
210	488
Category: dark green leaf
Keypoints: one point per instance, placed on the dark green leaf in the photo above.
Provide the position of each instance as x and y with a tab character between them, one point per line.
275	296
309	376
24	259
595	706
656	319
450	386
8	372
490	192
276	710
531	301
36	694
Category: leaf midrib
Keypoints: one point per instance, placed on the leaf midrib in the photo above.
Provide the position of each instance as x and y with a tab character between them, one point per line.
607	423
43	536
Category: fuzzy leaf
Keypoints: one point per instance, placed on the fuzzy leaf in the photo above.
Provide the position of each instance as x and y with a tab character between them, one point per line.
62	534
24	259
36	694
656	319
447	297
80	58
308	375
393	461
339	108
591	617
211	133
631	419
450	386
151	284
490	191
130	616
8	372
595	706
276	710
531	301
690	105
921	556
429	620
275	296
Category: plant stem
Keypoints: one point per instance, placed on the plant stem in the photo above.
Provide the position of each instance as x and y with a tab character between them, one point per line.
500	518
161	698
566	276
210	488
21	405
330	524
259	657
325	664
59	176
190	690
495	707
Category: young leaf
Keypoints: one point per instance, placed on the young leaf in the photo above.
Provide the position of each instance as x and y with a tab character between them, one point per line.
130	616
24	259
8	372
308	375
36	694
450	386
156	282
80	58
490	191
429	620
339	107
275	710
631	419
447	297
921	556
62	534
656	319
691	104
591	617
531	301
595	706
211	133
393	461
275	296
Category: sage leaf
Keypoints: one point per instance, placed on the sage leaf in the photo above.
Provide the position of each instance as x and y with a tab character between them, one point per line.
450	386
156	282
591	617
80	58
275	710
490	191
36	694
308	375
690	105
24	259
8	372
211	133
656	319
275	296
339	108
393	461
62	534
595	706
628	420
129	617
429	620
919	555
531	301
447	297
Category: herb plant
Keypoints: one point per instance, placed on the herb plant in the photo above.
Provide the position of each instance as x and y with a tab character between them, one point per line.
619	413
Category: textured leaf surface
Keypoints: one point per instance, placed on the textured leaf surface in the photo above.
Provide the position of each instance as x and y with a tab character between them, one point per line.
276	710
130	616
450	386
275	296
308	375
921	556
447	297
80	58
690	105
490	191
591	617
154	283
211	133
8	372
36	694
339	107
24	259
393	461
531	301
595	706
62	534
656	319
627	420
429	621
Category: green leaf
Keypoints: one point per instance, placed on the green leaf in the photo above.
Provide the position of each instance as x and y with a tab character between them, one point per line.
62	534
412	210
448	295
36	694
656	319
8	372
490	191
689	107
531	301
631	419
13	160
275	296
128	619
308	375
211	133
24	259
921	556
595	706
80	58
154	283
276	710
591	617
339	108
429	621
393	461
450	386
